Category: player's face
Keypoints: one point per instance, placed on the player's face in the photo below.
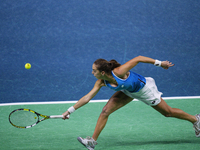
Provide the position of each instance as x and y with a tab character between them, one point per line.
96	72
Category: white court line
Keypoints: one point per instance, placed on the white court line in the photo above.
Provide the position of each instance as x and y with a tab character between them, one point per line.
91	101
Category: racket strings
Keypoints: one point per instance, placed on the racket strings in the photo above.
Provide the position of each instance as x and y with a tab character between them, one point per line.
23	118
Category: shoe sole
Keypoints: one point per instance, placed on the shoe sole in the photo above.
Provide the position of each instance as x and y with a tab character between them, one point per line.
80	140
197	129
197	135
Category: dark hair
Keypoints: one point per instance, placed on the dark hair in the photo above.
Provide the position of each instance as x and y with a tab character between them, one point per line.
107	66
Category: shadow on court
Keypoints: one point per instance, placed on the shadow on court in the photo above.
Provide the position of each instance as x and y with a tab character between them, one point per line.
151	145
158	142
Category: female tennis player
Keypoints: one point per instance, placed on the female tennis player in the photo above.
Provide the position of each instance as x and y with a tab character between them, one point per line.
128	85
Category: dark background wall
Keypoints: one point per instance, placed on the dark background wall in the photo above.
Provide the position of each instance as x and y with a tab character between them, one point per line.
61	39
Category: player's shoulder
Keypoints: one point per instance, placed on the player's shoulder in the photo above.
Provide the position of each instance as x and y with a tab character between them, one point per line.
119	72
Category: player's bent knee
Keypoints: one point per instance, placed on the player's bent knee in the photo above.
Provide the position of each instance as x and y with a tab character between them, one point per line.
105	112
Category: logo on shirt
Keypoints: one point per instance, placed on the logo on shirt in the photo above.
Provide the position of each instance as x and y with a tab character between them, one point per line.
122	86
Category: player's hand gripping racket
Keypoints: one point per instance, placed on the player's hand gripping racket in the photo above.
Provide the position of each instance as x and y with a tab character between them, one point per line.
26	118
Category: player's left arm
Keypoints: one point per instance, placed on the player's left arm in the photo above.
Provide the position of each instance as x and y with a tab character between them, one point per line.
123	69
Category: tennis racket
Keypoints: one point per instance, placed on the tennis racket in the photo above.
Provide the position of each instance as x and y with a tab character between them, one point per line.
26	118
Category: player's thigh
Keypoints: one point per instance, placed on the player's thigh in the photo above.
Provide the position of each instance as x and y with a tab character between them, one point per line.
118	100
163	108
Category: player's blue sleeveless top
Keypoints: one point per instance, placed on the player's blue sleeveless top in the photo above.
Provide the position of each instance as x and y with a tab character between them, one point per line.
133	83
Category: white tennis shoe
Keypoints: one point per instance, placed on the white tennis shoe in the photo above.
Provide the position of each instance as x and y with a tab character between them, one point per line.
88	142
196	126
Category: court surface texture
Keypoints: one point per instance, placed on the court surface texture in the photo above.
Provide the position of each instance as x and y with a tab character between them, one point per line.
135	126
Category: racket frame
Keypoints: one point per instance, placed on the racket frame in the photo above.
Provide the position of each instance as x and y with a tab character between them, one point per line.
45	117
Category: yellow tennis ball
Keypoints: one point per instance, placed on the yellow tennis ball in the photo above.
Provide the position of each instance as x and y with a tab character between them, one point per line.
28	66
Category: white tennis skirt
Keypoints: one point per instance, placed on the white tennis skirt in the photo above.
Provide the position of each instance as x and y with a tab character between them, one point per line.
149	94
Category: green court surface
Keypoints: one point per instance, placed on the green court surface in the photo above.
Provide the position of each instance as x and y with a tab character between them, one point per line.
133	127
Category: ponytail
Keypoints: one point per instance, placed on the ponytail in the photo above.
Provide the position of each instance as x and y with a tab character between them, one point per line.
114	64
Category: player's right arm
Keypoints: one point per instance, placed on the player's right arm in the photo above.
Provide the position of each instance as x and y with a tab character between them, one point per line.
85	99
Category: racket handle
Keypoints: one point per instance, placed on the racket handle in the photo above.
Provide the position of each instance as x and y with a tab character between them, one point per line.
57	116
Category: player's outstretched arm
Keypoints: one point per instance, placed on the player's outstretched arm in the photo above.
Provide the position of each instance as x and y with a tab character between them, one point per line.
123	69
85	99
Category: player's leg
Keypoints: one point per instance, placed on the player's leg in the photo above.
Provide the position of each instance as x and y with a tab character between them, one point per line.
167	111
118	100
